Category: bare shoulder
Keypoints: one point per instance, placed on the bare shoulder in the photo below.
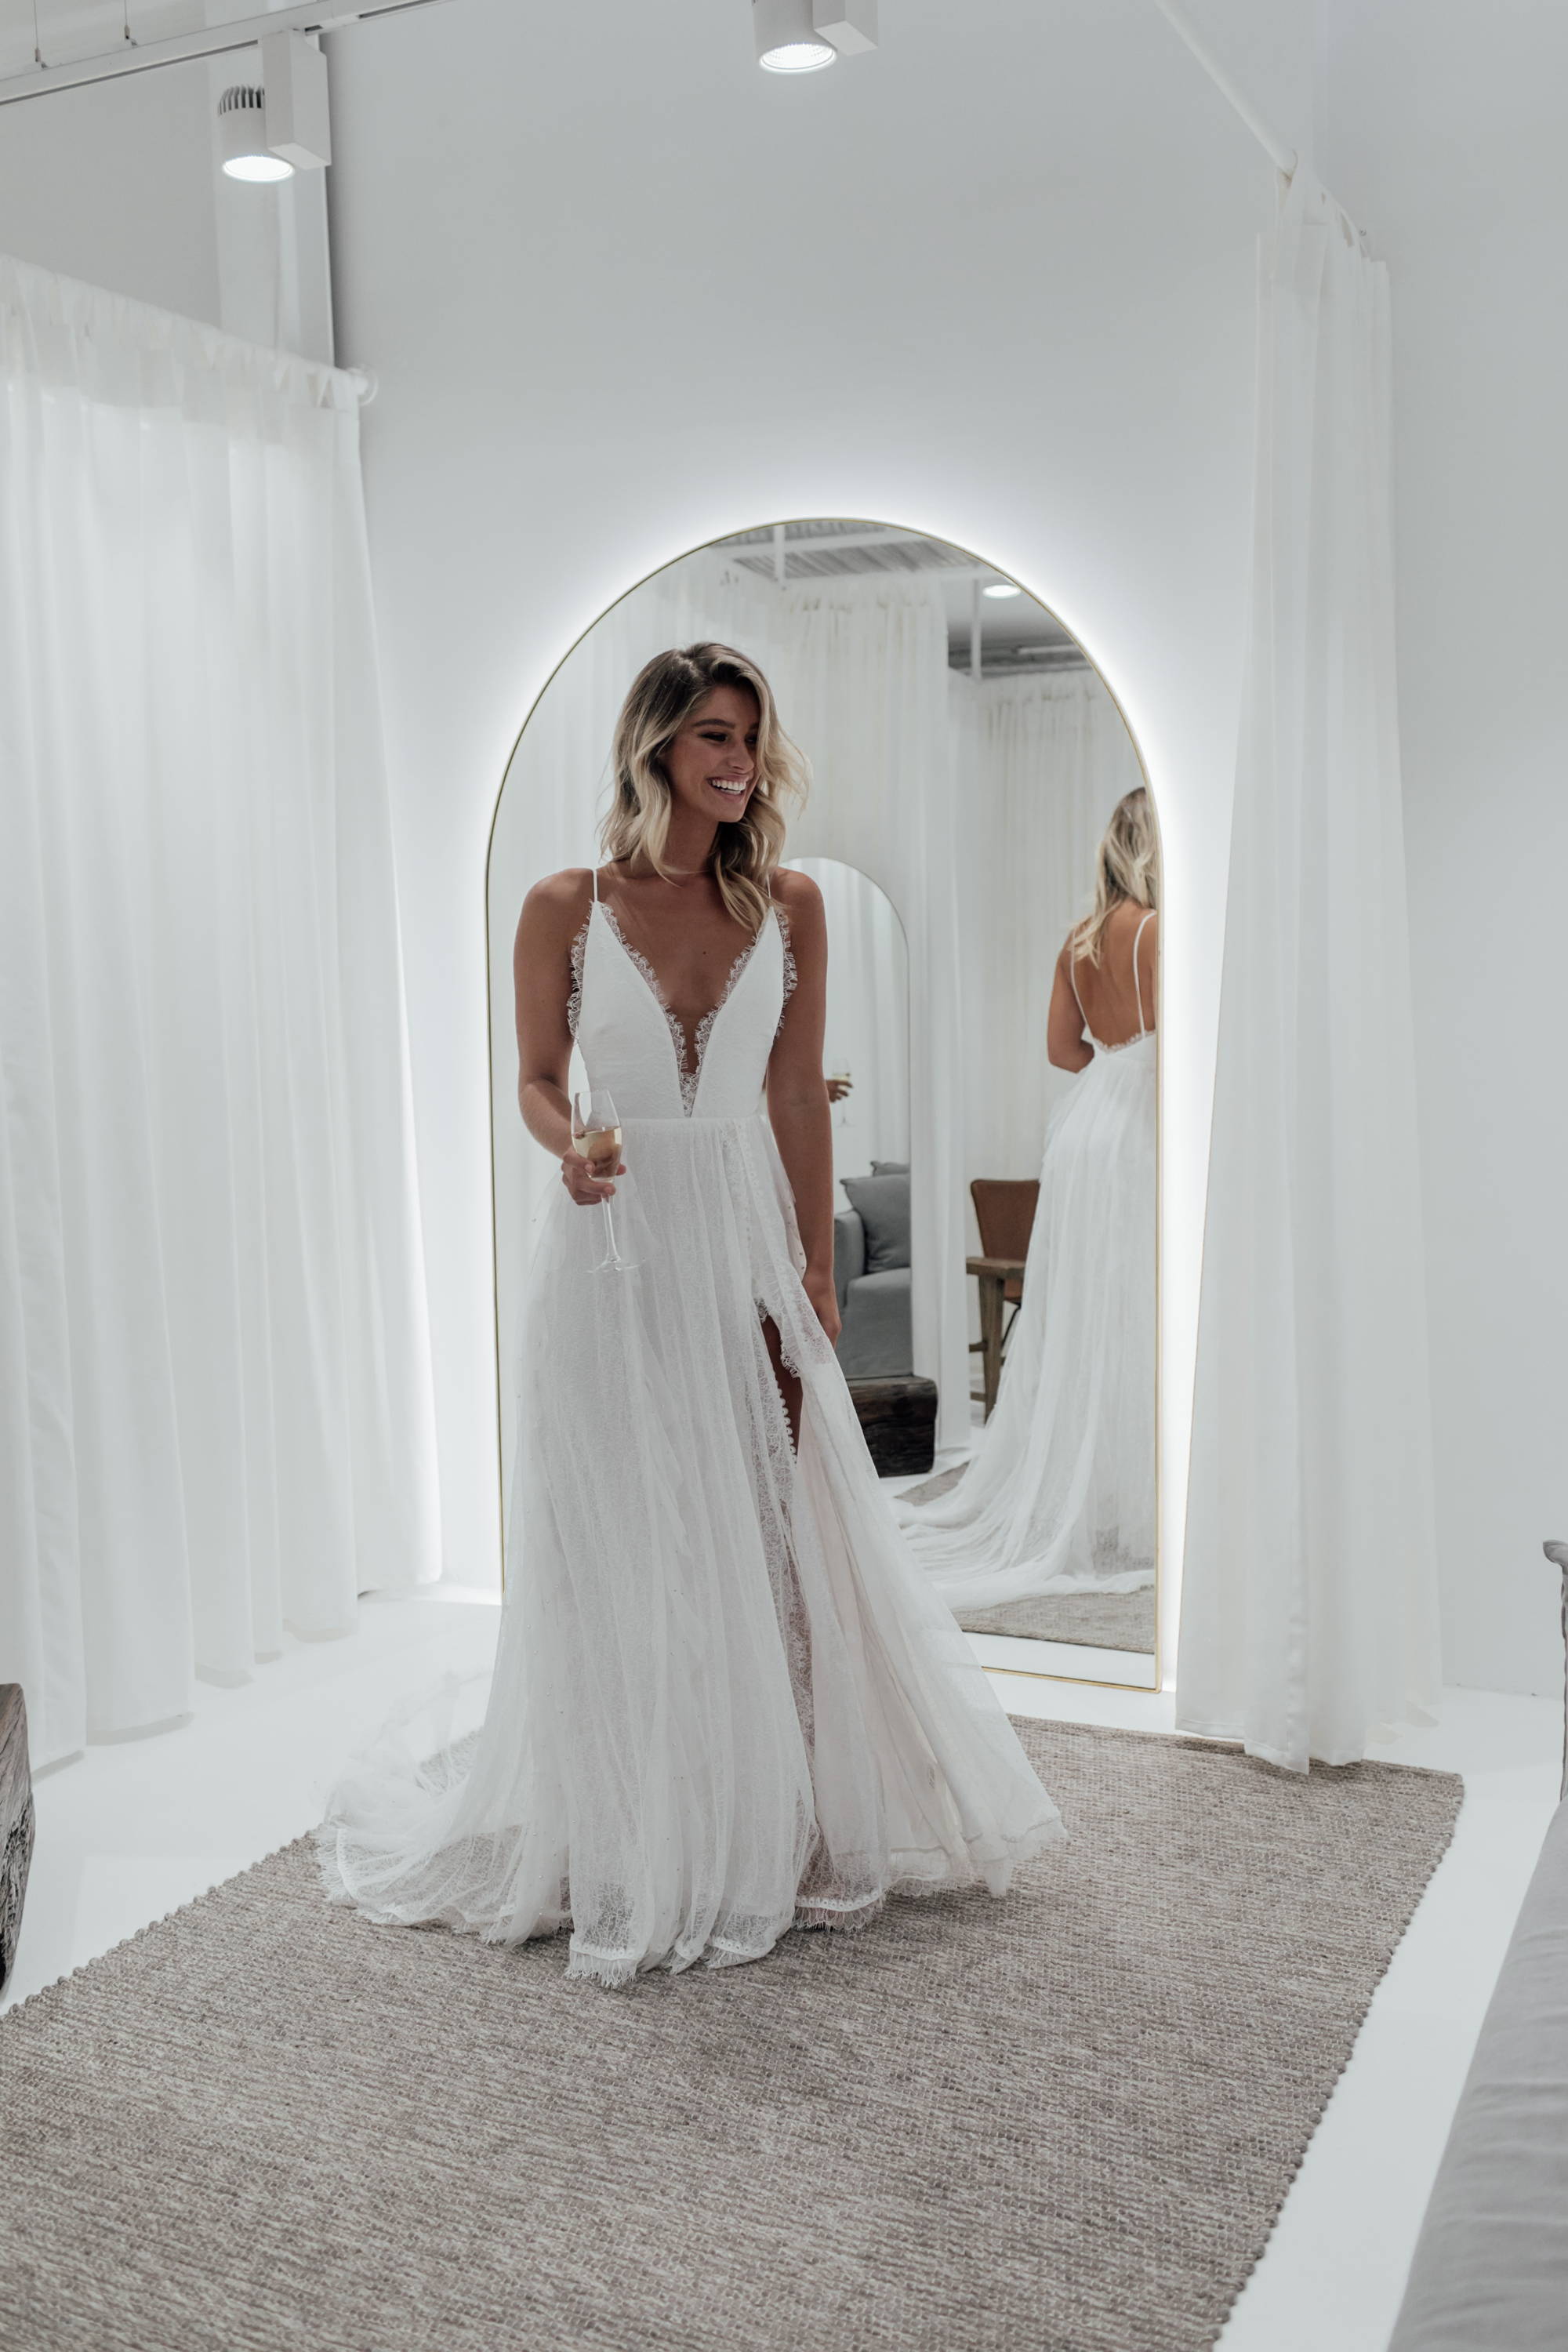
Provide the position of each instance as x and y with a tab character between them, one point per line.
796	893
555	906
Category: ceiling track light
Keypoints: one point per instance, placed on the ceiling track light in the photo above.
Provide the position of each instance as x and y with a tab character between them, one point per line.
242	135
269	129
803	35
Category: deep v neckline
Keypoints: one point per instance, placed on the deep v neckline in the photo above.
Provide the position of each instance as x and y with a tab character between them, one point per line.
689	1079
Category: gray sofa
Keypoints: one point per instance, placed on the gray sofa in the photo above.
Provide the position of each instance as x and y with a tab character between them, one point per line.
871	1274
1490	2269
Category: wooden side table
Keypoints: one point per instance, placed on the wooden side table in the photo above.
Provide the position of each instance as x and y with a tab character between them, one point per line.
993	1275
898	1420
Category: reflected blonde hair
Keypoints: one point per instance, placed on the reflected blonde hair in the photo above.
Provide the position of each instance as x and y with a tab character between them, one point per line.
664	695
1126	871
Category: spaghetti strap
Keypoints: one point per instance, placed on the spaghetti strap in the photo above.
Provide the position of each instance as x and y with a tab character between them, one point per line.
594	877
1137	985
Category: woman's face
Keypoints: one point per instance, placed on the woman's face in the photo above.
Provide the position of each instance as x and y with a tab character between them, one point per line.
711	763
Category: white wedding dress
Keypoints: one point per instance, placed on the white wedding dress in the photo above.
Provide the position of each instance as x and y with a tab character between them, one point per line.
726	1701
1059	1494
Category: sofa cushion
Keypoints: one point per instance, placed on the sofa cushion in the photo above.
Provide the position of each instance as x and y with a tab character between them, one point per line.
875	1337
882	1203
848	1253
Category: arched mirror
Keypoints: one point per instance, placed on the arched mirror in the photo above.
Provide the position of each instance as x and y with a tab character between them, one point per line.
981	831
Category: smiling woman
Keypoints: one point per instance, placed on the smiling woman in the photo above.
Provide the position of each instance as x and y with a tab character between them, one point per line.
726	1701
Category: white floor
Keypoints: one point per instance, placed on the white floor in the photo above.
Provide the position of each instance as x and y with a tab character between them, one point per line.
130	1831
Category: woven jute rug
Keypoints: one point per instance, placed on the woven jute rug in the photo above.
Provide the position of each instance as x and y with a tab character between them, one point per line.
1063	2120
1105	1621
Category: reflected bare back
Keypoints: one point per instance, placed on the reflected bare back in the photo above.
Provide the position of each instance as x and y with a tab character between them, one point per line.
1111	992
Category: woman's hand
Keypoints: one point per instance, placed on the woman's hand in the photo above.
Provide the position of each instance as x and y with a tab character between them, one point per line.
818	1287
585	1187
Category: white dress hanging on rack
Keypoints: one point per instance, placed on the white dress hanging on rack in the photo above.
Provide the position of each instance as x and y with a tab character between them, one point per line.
1059	1495
726	1701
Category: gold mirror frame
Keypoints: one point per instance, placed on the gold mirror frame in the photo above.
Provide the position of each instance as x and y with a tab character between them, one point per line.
1025	1673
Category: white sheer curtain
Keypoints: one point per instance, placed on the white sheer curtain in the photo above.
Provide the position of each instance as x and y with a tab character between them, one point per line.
862	676
1308	1612
1041	762
215	1411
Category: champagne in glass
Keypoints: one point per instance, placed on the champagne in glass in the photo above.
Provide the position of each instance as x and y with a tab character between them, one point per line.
597	1134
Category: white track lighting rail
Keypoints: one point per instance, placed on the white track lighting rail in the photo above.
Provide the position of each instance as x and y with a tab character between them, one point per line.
211	41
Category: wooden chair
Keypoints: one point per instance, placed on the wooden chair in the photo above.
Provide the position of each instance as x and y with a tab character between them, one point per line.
1005	1212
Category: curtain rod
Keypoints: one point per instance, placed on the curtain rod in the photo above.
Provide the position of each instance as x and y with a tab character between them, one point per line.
1266	137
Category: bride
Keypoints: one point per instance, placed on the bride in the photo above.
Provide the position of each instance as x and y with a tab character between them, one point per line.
726	1702
1059	1494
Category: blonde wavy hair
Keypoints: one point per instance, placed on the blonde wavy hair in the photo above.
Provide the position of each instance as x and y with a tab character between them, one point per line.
1126	871
664	693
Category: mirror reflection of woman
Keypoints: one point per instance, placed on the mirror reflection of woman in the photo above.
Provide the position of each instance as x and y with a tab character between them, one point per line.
726	1702
1059	1495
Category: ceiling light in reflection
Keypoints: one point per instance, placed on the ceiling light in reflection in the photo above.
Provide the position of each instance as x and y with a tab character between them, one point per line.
1002	588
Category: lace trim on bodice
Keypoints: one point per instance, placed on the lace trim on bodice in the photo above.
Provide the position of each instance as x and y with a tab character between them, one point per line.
579	950
698	1046
789	971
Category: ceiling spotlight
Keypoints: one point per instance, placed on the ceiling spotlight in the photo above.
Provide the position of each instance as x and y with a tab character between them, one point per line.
270	128
787	38
801	35
1002	588
242	136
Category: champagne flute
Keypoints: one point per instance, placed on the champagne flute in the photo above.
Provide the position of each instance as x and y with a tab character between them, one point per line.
597	1134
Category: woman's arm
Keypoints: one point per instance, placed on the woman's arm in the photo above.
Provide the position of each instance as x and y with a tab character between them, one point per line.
552	916
1148	970
1066	1046
797	1092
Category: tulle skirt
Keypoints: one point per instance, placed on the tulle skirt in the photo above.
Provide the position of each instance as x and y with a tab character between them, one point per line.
726	1702
1059	1495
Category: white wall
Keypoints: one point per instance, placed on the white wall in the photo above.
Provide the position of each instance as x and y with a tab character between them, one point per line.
117	183
114	183
1442	133
624	293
